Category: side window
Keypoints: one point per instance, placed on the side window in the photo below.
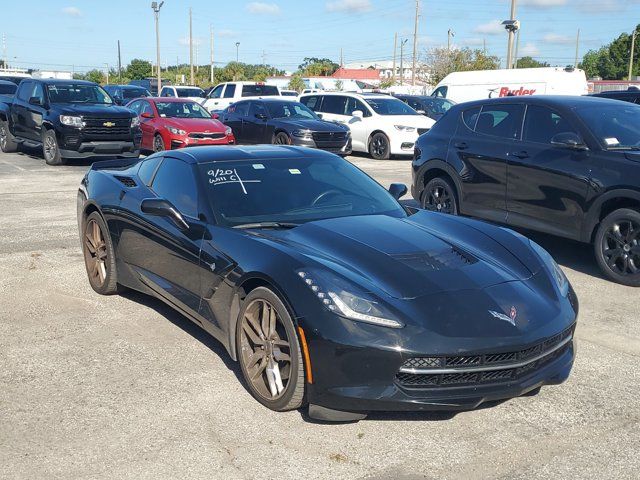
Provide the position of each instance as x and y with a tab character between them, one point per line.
312	102
148	168
38	92
256	108
167	92
440	92
175	182
335	104
242	109
541	124
230	90
135	106
500	120
354	104
216	92
470	117
24	90
145	107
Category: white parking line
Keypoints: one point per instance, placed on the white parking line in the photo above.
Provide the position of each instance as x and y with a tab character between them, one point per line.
12	165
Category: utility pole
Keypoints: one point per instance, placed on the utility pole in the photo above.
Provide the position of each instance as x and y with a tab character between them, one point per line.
402	43
341	59
119	64
415	44
107	65
237	52
515	57
575	64
192	80
633	44
511	34
211	58
395	49
484	45
156	10
450	35
4	51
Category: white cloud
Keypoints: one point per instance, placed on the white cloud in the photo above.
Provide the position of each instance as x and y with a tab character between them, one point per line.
528	50
557	39
494	27
72	11
604	6
543	3
261	8
350	6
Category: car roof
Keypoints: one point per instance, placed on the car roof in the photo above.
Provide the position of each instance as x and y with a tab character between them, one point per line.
170	99
219	153
268	99
58	81
559	101
353	94
183	86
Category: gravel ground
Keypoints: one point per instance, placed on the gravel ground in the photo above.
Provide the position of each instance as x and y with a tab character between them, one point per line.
123	387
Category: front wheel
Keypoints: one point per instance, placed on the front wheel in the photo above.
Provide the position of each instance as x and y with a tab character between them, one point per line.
617	246
282	139
7	140
439	196
379	146
50	149
269	351
158	143
99	257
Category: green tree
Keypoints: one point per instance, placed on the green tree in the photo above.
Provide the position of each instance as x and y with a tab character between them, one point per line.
317	67
530	62
94	76
611	61
138	69
296	83
443	61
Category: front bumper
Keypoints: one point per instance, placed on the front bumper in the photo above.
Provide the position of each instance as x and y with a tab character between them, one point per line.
402	143
185	141
74	143
344	149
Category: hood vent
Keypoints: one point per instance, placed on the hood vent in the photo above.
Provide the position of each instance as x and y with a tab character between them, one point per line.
451	259
127	181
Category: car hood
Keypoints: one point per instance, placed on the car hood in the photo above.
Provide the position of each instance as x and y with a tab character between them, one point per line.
418	121
310	124
409	257
196	124
88	110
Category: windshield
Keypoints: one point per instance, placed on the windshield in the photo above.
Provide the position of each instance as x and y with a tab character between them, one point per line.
181	110
390	106
78	93
129	93
293	190
616	127
259	90
190	92
8	89
289	110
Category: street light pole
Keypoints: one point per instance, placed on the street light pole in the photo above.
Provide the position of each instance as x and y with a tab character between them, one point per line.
450	35
415	43
156	10
237	49
402	43
633	44
511	35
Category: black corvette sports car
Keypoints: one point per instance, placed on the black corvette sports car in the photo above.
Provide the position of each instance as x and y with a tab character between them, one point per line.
323	286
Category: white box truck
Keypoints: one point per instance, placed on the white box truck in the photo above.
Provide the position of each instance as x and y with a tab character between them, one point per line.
479	84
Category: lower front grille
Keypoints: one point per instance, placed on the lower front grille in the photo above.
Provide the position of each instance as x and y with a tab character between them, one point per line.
329	139
213	136
422	130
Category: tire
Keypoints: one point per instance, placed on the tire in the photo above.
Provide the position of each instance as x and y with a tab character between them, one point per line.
281	138
439	196
617	247
99	257
158	143
379	146
7	140
250	336
50	149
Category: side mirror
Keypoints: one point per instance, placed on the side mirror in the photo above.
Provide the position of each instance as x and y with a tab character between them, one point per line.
163	208
398	190
261	116
358	114
35	101
568	140
319	115
118	100
146	115
215	116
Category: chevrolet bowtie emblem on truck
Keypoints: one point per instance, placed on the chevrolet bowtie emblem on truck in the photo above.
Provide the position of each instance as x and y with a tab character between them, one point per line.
108	124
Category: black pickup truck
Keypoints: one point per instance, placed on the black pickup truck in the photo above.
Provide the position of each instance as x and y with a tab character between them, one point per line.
68	119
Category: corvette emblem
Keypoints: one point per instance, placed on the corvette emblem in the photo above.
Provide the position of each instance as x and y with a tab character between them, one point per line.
511	318
108	124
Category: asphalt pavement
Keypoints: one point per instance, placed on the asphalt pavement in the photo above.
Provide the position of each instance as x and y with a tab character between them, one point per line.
123	387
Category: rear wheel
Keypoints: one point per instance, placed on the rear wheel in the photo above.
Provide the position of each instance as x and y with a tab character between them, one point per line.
158	143
50	149
7	140
617	246
269	351
440	196
99	258
282	139
379	147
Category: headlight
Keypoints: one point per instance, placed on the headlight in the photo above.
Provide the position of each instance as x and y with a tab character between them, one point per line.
345	299
176	131
135	122
556	272
302	134
404	128
71	121
228	131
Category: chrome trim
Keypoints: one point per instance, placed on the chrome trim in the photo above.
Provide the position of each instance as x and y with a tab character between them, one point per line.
431	371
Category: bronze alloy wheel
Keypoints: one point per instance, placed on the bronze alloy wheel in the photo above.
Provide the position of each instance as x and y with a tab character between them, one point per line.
265	350
95	254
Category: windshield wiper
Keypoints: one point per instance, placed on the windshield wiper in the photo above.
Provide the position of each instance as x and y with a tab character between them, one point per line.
245	226
625	147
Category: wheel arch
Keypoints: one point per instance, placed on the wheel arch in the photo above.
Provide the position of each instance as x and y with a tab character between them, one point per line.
438	168
606	204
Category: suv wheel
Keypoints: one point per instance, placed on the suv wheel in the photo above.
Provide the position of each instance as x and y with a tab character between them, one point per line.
7	143
379	147
50	150
439	196
617	246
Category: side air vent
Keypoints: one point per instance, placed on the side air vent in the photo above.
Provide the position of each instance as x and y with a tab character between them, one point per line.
127	181
449	259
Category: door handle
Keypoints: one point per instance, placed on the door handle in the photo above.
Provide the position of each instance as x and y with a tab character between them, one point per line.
521	154
461	145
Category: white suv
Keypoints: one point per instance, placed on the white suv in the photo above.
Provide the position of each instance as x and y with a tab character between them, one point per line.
190	93
380	124
225	94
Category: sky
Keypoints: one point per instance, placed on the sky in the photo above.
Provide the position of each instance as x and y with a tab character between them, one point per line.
82	34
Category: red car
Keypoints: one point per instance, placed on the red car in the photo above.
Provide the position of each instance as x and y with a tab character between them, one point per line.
169	123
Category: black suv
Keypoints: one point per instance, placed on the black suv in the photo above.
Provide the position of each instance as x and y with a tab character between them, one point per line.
68	119
631	95
569	166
